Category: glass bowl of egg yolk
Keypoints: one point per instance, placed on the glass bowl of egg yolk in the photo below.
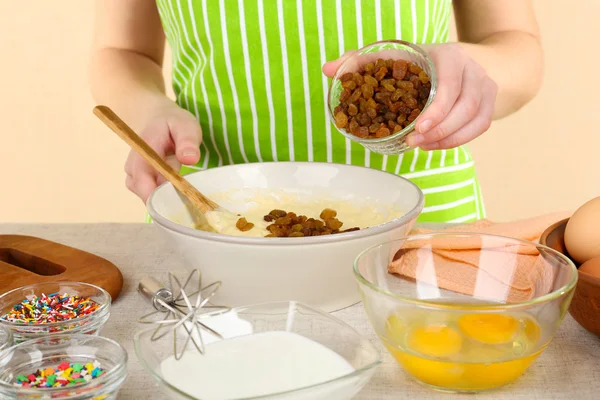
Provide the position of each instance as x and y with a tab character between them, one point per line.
464	312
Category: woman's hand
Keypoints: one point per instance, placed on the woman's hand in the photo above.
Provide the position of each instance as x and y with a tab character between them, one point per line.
175	135
464	103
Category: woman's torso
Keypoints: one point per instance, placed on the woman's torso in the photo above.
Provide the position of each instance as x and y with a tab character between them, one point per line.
250	70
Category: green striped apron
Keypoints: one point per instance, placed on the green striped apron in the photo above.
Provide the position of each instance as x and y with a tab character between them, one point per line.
250	70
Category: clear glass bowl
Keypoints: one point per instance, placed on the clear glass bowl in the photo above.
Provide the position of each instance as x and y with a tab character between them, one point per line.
5	338
396	50
465	312
52	350
272	317
89	324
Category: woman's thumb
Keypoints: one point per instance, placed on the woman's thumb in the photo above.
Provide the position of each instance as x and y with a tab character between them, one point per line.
186	135
331	67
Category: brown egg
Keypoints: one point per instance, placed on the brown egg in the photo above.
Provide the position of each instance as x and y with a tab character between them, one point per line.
582	234
591	267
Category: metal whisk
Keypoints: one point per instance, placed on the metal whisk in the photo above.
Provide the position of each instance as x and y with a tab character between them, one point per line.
175	309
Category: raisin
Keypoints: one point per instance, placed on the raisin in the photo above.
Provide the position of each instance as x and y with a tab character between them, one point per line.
341	119
243	225
401	118
373	128
355	96
296	234
394	107
371	112
328	213
399	69
389	64
363	132
367	91
363	119
410	102
413	115
398	93
346	77
278	213
423	77
390	116
371	81
415	81
352	110
333	223
358	78
369	67
350	85
389	87
283	221
397	128
414	69
382	132
345	95
405	85
381	73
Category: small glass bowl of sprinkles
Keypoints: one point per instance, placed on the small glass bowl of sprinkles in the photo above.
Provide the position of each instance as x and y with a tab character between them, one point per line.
32	311
63	366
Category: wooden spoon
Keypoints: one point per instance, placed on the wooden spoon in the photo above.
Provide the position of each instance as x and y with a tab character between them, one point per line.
197	199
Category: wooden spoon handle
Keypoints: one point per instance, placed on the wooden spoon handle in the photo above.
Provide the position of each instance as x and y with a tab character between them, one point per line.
123	130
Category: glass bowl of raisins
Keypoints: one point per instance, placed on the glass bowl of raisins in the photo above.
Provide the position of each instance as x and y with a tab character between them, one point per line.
379	92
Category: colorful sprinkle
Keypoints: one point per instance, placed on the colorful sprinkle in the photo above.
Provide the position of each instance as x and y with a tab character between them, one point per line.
64	375
50	308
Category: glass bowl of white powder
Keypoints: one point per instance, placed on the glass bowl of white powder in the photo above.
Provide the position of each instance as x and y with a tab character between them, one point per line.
281	350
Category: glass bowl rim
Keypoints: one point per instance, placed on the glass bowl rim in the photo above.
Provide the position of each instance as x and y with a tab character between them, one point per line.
110	376
356	372
410	127
104	307
565	289
186	231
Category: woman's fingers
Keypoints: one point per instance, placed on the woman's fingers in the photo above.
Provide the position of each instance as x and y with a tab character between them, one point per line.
476	126
449	88
173	161
465	108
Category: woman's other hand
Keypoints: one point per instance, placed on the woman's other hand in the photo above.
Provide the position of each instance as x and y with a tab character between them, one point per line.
175	135
463	107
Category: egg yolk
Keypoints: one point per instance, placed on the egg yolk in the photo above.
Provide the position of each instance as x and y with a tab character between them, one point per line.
395	329
488	328
435	340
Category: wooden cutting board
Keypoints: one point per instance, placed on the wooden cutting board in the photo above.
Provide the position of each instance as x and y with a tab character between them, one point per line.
25	260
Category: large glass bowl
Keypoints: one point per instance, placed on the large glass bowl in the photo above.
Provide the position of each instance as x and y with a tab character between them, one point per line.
89	324
292	317
391	49
465	312
52	350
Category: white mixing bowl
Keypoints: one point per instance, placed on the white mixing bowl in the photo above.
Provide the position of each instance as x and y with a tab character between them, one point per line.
312	270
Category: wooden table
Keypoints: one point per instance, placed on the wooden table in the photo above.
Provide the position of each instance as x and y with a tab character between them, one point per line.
569	369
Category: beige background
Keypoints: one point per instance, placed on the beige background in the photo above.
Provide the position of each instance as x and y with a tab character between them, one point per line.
59	164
